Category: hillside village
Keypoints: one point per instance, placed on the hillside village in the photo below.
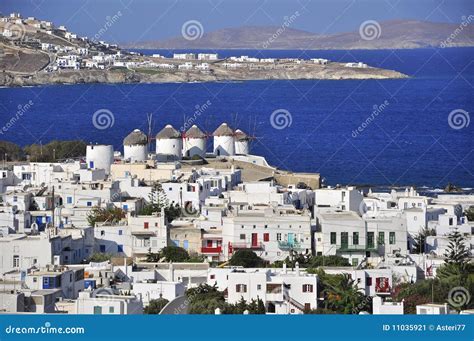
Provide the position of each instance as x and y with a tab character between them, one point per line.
163	224
36	52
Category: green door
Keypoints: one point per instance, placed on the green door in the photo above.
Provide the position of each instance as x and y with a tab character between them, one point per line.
344	240
370	240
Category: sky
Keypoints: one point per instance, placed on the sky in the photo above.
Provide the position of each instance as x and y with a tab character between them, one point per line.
144	20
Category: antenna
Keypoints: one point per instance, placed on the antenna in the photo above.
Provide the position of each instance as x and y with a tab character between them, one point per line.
149	118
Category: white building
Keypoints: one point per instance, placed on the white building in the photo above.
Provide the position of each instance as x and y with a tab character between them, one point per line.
169	144
194	142
224	141
100	156
184	56
242	141
207	56
135	146
282	291
104	302
271	232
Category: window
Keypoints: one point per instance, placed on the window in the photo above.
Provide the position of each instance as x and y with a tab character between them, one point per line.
111	310
266	237
16	261
119	248
450	221
15	198
273	288
120	232
307	306
242	226
145	225
355	238
69	200
391	237
241	288
266	226
102	248
381	238
370	240
368	281
259	287
97	310
355	262
102	232
279	236
307	288
89	203
254	226
212	276
333	238
242	236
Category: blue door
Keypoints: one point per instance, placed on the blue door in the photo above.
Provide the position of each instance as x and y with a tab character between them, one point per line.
91	164
291	238
185	244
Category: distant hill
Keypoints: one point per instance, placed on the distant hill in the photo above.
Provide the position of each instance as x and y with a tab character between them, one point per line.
395	34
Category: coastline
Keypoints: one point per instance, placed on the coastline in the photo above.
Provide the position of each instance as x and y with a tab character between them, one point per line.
335	71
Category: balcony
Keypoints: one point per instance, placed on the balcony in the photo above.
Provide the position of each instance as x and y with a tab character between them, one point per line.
254	246
215	250
356	248
294	245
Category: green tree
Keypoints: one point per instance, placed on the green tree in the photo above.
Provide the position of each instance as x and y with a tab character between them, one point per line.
99	257
158	201
457	264
105	215
247	259
174	254
155	306
204	299
10	152
419	240
56	150
457	252
341	294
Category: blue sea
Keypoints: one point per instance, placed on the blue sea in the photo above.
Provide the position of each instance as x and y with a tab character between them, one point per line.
411	139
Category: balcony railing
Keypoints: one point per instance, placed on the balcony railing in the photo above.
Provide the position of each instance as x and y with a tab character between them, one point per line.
206	249
357	248
255	246
285	245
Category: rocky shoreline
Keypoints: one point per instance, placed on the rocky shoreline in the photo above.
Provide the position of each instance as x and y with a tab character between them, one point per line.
334	71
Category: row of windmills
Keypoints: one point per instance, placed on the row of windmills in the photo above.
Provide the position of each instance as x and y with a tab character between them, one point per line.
173	145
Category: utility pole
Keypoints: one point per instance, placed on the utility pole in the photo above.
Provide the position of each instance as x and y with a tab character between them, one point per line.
54	206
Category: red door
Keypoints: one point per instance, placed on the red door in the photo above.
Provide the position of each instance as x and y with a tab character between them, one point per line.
254	239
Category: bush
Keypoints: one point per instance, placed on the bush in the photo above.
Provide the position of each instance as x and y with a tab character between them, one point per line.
247	259
155	306
12	152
